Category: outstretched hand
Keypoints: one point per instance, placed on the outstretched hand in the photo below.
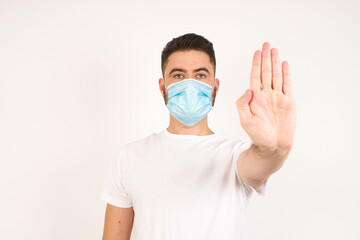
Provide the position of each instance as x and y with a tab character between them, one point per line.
267	110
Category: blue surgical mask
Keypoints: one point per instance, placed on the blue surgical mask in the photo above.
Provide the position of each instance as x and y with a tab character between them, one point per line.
189	101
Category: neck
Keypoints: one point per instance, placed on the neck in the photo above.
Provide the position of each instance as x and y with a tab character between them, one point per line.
201	128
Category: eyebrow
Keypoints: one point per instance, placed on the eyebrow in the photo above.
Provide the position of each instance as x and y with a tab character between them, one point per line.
183	70
176	70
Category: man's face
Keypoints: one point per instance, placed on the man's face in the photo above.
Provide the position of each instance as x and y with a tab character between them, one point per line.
188	64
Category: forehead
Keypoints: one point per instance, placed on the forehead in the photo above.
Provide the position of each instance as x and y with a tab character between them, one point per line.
189	59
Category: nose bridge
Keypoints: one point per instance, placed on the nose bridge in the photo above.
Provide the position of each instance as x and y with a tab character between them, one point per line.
188	94
188	78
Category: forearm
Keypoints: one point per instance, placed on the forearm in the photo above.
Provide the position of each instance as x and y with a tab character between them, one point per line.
257	163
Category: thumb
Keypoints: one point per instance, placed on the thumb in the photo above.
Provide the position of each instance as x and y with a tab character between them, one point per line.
243	105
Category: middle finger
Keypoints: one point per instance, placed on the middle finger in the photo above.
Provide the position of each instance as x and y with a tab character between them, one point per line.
266	70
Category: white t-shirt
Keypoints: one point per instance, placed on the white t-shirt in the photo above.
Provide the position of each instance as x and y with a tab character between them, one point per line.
181	187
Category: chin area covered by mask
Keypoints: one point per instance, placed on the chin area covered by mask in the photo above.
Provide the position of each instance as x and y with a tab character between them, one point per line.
189	101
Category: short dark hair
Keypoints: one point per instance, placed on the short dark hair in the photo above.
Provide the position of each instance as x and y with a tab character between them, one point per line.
189	41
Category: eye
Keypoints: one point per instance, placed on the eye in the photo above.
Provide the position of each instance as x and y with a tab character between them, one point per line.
200	75
178	75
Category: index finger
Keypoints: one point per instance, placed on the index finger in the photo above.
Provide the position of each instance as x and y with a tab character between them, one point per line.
255	77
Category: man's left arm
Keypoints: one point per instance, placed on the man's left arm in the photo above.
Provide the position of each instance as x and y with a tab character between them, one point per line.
267	113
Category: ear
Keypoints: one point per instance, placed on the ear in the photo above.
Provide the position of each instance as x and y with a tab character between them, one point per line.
215	91
217	84
163	89
161	85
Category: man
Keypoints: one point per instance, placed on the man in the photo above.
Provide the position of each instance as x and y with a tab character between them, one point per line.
187	182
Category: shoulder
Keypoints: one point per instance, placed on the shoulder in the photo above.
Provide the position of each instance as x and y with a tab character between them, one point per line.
140	144
233	142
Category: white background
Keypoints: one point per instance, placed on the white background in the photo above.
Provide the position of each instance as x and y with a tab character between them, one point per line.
78	79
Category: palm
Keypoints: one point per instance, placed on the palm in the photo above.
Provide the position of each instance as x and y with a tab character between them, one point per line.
267	113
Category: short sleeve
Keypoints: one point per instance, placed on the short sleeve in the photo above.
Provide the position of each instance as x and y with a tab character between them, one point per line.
245	189
113	191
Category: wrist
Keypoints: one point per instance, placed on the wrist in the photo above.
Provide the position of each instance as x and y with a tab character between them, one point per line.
271	152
